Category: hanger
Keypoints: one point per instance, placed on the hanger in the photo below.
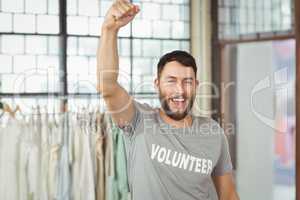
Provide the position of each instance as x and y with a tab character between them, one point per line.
18	110
6	109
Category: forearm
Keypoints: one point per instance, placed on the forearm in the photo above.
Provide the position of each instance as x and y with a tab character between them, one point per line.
232	195
107	61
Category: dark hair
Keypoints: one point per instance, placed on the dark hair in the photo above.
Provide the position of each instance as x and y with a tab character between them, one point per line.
182	57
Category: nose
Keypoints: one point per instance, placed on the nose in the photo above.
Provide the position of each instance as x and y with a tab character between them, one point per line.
179	88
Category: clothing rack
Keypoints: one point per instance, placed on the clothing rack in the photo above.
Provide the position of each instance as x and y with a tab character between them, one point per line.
149	95
65	102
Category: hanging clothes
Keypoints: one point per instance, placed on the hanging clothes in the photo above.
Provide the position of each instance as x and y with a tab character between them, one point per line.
117	182
77	152
9	149
23	163
45	156
80	157
64	180
100	156
87	182
55	148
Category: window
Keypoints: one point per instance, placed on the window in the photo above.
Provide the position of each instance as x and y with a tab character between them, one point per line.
249	17
30	51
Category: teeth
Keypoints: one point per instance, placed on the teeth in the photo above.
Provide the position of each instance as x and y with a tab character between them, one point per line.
178	100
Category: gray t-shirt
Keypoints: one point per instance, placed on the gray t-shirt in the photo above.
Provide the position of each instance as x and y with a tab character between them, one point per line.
168	163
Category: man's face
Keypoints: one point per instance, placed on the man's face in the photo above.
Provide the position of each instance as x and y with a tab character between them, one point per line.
177	89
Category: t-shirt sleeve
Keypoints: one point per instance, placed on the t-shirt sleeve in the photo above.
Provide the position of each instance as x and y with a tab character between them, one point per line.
224	164
139	110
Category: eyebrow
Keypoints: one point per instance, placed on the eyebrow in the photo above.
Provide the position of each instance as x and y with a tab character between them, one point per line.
174	77
188	78
184	79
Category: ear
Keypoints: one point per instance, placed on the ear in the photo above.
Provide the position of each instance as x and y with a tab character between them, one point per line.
197	83
156	84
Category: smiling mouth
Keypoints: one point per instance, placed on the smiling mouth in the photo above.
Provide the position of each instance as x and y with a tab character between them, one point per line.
178	102
178	99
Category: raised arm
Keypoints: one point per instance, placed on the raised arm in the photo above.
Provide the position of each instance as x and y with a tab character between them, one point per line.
116	98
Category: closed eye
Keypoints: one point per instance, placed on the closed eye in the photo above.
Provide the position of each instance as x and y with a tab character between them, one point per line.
189	81
171	81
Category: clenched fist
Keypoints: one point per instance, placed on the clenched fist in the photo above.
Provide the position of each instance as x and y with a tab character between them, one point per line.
119	14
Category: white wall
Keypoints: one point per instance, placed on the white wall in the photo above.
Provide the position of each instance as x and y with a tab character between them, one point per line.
254	138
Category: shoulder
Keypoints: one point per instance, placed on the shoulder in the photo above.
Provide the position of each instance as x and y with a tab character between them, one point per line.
144	108
207	125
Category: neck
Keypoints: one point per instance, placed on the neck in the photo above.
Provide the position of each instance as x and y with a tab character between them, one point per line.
183	123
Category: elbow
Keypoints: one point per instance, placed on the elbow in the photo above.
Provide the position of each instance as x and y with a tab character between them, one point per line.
106	90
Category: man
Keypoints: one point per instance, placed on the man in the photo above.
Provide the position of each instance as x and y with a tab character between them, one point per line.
171	154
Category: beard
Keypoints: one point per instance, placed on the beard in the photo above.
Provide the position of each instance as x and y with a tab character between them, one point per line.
175	115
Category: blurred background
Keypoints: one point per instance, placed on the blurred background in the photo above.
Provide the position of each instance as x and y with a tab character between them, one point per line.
245	51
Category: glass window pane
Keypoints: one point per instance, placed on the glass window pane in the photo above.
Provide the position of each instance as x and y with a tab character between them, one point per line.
180	29
148	83
72	80
87	84
137	47
184	13
125	31
171	12
250	17
53	7
185	46
78	25
53	44
124	73
162	1
151	48
104	6
161	29
82	84
78	65
6	64
142	66
143	84
24	63
72	46
151	11
141	28
181	1
12	6
169	46
72	7
36	6
92	66
88	8
87	46
124	47
36	45
47	24
12	44
24	23
48	63
36	83
94	25
7	26
12	83
124	66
